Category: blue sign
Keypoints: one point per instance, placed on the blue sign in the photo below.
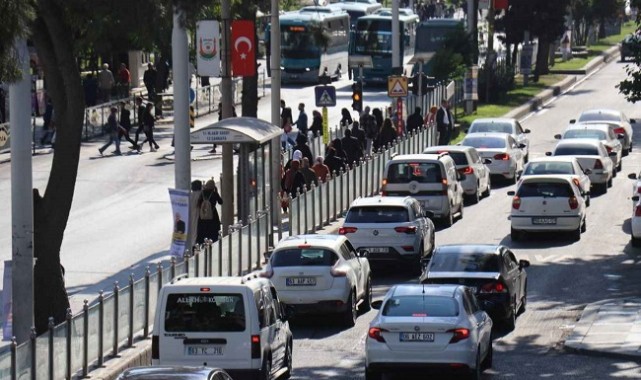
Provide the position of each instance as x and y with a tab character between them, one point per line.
325	96
192	95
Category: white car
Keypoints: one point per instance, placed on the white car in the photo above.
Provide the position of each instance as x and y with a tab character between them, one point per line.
547	203
592	155
561	165
503	125
469	163
635	220
602	132
428	328
506	154
623	123
320	273
390	229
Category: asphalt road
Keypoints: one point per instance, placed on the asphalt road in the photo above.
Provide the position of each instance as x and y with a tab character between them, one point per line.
564	275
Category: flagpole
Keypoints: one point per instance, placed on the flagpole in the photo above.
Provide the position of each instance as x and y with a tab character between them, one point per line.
227	111
275	99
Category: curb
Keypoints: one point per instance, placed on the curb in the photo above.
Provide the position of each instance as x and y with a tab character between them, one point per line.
594	64
541	98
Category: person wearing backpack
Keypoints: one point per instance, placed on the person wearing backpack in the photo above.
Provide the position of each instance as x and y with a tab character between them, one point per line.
208	219
368	123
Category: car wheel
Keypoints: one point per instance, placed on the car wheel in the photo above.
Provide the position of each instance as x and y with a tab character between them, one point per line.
627	150
475	373
487	362
526	159
609	184
476	197
460	210
448	219
523	300
620	166
288	361
576	234
487	191
584	225
587	201
510	321
636	242
516	235
371	374
266	369
367	299
350	315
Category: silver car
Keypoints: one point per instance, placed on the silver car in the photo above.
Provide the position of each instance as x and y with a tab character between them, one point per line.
173	373
506	154
504	125
623	123
561	165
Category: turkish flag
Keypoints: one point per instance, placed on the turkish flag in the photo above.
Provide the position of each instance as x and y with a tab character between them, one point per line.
500	4
243	56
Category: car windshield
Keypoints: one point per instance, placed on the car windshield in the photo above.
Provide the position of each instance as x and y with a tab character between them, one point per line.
198	312
549	168
491	127
377	214
302	257
599	116
420	306
544	189
464	262
421	172
576	151
585	134
483	142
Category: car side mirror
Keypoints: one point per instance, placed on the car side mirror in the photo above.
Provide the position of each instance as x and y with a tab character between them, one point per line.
268	254
527	131
612	154
511	193
620	136
632	176
587	171
523	264
362	253
460	177
572	121
558	136
633	121
428	214
522	146
487	161
548	154
376	305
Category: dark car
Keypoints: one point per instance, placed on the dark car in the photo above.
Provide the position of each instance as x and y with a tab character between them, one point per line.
629	46
174	373
491	271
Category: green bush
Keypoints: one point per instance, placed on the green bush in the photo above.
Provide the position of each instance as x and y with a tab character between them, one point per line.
500	79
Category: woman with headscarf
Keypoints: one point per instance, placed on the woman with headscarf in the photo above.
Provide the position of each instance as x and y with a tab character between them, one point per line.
386	136
346	118
297	155
337	144
208	225
317	124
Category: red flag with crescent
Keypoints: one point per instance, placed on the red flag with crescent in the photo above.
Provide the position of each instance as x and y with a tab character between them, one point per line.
243	48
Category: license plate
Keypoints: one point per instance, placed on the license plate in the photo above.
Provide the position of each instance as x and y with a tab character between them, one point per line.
204	351
300	281
417	337
543	220
377	250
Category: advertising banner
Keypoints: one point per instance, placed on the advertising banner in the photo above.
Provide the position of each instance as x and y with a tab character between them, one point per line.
180	211
208	48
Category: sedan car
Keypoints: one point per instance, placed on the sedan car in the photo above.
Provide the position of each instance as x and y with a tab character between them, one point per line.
506	154
173	373
390	229
635	220
504	125
621	121
592	155
492	272
598	131
547	203
428	328
561	165
320	273
469	163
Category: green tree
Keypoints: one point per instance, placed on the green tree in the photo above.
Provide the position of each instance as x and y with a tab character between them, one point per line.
631	86
452	59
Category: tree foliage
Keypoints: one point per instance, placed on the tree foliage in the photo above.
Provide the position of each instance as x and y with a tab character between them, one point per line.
452	59
631	86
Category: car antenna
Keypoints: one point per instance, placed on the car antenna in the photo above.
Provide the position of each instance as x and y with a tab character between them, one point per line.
423	288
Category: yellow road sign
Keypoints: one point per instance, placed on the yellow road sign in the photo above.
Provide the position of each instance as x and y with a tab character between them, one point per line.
396	86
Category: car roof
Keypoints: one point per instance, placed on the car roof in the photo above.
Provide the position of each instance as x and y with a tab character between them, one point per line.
211	281
382	201
419	156
579	142
601	111
447	148
591	125
495	135
159	373
547	178
443	290
553	159
330	241
488	249
489	120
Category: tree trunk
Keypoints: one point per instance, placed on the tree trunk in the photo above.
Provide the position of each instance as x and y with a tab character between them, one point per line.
542	59
51	212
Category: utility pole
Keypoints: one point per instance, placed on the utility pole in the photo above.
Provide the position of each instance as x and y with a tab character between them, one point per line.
275	146
396	37
180	58
227	111
21	200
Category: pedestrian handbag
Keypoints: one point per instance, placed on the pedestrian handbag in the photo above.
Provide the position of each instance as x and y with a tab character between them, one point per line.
287	127
284	199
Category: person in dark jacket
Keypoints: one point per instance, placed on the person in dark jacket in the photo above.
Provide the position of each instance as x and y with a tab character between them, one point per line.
337	144
141	109
414	121
293	180
352	148
317	124
209	228
301	144
359	133
387	135
125	121
346	118
309	174
149	122
334	163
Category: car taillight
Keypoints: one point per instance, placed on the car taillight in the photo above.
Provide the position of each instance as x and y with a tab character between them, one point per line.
375	333
459	334
405	229
502	156
347	230
516	202
493	287
255	344
574	203
468	170
576	182
637	211
266	273
155	347
338	271
444	182
383	185
619	130
598	164
609	149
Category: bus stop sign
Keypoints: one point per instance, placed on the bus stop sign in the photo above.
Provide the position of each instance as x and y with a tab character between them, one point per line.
325	96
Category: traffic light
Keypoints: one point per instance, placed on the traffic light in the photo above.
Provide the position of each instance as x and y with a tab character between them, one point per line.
357	96
427	84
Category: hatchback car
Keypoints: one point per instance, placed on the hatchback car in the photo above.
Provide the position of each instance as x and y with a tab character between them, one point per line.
506	154
602	132
469	163
497	279
321	273
622	122
592	155
547	203
173	373
390	229
561	165
635	220
428	328
504	125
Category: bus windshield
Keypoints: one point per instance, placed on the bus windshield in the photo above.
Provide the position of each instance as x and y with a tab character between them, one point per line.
297	42
431	39
368	43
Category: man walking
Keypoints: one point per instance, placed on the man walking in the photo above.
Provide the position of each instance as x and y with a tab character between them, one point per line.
301	122
414	121
444	123
125	122
105	83
112	129
124	80
149	79
140	114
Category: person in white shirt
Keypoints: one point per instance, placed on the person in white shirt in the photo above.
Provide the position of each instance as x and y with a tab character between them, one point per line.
444	123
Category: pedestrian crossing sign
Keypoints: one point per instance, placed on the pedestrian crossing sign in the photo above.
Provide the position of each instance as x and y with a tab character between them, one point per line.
396	86
325	96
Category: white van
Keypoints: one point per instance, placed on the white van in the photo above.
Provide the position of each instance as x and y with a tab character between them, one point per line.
234	323
430	178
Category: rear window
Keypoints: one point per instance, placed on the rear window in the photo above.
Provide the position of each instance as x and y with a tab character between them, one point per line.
491	127
301	257
197	312
576	151
549	168
460	158
464	262
585	134
599	117
420	306
483	142
544	189
422	172
377	214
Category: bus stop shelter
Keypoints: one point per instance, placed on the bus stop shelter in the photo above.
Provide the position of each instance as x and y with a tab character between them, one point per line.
253	175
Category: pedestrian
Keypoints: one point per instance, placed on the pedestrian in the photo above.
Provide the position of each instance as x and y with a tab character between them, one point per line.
112	129
386	136
444	123
282	109
149	78
346	118
125	122
321	170
334	163
317	124
194	198
208	220
301	145
351	147
414	121
310	176
378	115
301	122
141	109
359	133
287	125
162	71
47	127
149	124
337	144
105	83
293	181
566	50
297	155
124	80
368	123
430	117
90	87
